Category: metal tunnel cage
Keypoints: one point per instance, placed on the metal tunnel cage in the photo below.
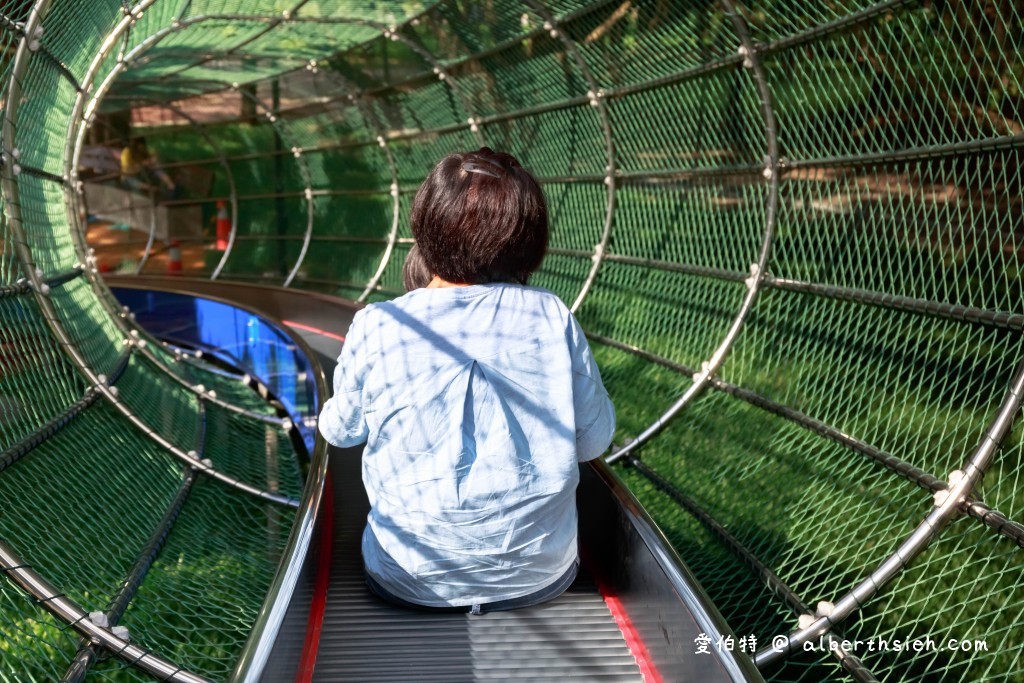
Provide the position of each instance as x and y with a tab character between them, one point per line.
791	231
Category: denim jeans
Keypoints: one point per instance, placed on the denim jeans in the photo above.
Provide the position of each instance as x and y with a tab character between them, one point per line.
543	595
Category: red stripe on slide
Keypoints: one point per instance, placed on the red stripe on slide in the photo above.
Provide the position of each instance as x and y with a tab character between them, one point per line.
315	330
323	576
636	646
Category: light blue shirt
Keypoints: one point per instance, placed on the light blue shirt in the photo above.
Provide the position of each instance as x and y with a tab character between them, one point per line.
476	404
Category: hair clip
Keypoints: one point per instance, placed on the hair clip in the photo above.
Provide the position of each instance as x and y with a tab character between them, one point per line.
473	167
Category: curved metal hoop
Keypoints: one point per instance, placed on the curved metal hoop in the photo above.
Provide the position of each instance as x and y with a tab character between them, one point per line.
596	96
758	269
228	174
948	505
383	139
71	614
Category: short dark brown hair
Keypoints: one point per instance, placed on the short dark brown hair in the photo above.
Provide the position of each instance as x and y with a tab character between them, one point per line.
481	217
415	271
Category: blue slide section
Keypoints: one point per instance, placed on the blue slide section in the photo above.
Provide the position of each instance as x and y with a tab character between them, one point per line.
236	337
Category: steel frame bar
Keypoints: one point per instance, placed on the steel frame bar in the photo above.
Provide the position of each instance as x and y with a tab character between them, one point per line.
895	302
354	239
152	230
952	149
662	177
196	463
656	177
211	160
210	56
509	43
270	238
183	240
22	448
205	396
828	29
276	21
978	510
403	136
755	49
340	284
655	264
274	195
220	372
424	75
273	22
363	240
23	286
640	177
641	353
71	614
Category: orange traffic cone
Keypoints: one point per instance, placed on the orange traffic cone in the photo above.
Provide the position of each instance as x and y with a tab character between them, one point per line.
223	226
174	258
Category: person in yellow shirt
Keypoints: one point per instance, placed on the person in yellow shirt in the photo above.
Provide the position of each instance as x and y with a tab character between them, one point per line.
139	168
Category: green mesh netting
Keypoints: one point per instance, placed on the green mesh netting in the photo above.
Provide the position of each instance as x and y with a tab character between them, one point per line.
864	157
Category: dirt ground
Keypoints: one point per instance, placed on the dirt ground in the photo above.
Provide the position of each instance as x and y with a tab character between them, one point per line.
119	249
